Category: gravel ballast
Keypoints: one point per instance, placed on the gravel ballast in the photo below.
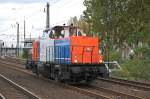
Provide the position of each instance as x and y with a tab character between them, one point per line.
40	87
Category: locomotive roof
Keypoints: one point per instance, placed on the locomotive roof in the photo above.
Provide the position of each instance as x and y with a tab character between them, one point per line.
59	27
63	26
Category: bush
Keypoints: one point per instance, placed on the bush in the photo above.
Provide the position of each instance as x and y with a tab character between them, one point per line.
115	56
124	73
25	54
143	52
134	69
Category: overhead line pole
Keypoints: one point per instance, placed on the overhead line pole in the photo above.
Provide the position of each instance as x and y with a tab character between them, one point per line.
17	39
24	31
47	16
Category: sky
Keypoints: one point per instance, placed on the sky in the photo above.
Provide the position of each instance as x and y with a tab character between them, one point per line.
27	1
15	11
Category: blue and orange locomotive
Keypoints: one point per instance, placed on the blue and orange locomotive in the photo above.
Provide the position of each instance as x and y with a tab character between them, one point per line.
66	55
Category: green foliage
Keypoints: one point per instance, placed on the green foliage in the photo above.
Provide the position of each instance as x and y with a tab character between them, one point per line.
139	36
80	23
123	23
143	52
25	54
134	69
123	20
121	73
115	56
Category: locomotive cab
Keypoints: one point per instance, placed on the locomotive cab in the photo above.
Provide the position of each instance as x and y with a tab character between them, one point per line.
64	32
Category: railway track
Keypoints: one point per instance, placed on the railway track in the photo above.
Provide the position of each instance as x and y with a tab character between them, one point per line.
98	92
94	91
2	96
138	85
92	94
135	84
14	60
25	94
111	93
42	93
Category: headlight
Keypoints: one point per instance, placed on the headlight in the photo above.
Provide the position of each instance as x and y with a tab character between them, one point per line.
100	61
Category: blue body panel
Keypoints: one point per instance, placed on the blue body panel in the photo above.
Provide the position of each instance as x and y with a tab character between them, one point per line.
62	51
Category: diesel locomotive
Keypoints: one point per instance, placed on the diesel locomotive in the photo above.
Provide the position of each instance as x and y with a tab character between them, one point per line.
64	54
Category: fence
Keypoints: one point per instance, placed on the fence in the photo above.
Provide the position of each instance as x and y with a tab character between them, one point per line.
14	52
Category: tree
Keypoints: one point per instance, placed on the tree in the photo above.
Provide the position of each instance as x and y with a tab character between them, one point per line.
80	23
122	20
73	20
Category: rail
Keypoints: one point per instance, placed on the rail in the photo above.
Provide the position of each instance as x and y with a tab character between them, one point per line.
117	94
134	84
2	96
60	84
32	95
81	90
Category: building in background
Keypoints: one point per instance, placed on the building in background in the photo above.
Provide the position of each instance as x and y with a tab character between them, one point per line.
28	42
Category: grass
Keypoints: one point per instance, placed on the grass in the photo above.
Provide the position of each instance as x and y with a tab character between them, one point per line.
134	69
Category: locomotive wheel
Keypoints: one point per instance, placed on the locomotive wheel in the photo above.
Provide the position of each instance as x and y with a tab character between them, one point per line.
26	66
105	75
58	76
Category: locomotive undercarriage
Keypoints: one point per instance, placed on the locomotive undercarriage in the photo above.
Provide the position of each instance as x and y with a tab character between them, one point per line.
71	73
